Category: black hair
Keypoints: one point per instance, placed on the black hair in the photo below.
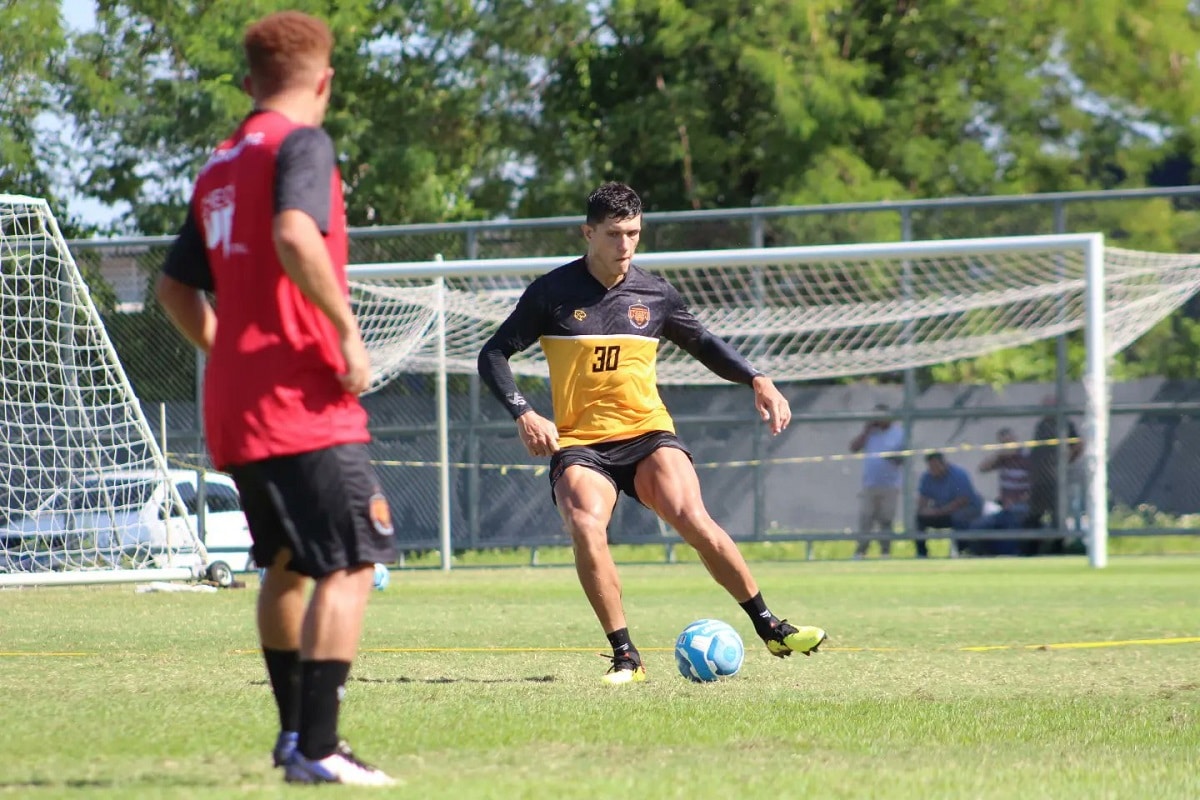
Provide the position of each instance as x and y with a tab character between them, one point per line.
935	457
612	201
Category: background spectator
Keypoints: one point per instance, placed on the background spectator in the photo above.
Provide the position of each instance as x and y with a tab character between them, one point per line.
1012	468
1043	466
881	478
947	498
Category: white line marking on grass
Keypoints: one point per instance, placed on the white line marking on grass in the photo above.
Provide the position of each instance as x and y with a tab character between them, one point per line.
1082	645
984	648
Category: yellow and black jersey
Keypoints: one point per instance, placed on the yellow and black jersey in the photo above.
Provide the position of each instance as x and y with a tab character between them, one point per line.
601	346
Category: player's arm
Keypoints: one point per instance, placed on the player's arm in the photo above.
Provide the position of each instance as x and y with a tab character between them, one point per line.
303	197
181	286
521	329
723	360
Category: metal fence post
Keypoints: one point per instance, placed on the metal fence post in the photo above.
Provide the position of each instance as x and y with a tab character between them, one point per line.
473	458
908	505
757	239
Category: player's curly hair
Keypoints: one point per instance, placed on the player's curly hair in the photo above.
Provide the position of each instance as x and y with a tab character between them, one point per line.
279	47
612	201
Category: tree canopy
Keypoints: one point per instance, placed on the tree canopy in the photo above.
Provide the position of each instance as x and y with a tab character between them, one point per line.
456	110
466	109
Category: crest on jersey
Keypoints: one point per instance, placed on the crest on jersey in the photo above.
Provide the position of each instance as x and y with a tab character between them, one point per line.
381	514
639	315
580	314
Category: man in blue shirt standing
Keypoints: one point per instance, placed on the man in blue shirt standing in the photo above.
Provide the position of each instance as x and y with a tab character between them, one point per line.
881	478
947	498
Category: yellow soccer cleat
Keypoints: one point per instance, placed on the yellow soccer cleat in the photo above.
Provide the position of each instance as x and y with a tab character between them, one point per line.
624	670
786	639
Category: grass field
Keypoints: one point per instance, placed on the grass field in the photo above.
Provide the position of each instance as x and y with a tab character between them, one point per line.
482	683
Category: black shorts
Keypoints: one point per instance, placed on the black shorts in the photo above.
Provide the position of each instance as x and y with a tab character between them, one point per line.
326	506
616	461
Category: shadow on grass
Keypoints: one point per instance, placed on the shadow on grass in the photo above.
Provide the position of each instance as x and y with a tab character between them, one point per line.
6	786
404	679
108	783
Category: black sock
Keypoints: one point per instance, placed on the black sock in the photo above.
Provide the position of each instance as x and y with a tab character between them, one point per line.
622	645
283	668
764	621
321	687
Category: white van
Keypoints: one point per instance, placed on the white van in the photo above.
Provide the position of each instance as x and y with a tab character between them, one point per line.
112	514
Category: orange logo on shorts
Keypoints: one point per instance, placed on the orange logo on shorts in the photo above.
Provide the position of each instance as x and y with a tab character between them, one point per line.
381	514
580	314
639	315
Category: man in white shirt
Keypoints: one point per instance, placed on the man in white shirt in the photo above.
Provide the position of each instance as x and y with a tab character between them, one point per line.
881	477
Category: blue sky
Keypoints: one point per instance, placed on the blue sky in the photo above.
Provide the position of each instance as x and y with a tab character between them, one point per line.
78	15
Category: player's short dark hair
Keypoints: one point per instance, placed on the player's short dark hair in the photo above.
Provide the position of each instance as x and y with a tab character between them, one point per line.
280	45
612	200
935	456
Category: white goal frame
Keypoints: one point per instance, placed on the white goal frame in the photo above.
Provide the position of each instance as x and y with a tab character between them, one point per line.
1095	381
192	562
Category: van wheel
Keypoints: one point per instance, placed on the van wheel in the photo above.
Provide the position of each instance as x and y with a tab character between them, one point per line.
220	574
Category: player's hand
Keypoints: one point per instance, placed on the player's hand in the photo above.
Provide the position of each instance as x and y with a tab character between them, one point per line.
772	406
357	376
538	434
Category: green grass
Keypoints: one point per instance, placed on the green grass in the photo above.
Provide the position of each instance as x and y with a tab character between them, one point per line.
165	695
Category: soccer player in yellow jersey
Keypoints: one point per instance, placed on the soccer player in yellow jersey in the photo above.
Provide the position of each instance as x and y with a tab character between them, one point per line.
599	320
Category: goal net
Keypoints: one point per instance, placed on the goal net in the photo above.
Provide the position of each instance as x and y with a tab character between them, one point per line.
802	313
812	313
85	494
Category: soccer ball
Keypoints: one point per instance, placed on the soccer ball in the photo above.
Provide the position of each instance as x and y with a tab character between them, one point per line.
382	577
709	650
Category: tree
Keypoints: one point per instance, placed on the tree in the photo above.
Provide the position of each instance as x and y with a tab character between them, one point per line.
720	104
428	104
30	63
457	110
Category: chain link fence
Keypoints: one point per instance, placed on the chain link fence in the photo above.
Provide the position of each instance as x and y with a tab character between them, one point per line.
798	484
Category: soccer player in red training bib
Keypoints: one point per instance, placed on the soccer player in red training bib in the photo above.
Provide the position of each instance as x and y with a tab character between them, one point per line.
599	320
266	233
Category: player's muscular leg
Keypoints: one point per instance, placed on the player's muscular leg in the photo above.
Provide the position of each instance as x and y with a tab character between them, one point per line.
585	501
666	482
281	604
333	624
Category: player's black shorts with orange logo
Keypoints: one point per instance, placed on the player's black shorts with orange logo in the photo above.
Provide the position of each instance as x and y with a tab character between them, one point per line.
326	506
616	461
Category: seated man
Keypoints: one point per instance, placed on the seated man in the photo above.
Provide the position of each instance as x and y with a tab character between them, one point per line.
947	498
1012	467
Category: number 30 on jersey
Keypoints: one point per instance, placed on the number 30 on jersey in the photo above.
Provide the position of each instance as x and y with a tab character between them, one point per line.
606	359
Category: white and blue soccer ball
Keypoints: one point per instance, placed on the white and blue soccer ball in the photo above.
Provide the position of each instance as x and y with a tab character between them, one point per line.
709	650
382	577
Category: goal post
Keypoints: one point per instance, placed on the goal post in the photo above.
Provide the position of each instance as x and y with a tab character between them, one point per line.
86	495
820	312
